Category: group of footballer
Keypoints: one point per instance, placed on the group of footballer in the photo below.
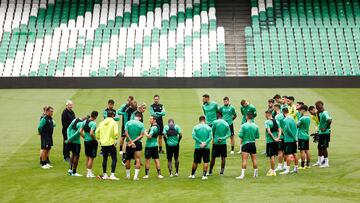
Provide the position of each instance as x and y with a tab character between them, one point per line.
287	130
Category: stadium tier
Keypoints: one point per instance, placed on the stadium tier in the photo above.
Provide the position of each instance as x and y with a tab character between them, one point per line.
179	38
303	37
165	38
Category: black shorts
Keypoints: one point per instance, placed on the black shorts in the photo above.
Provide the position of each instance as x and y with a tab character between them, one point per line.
91	148
281	146
203	154
232	129
303	144
151	152
249	148
172	151
123	130
46	142
75	148
219	150
129	154
290	148
324	140
272	149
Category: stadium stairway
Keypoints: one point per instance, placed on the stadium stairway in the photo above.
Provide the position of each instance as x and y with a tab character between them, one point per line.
234	16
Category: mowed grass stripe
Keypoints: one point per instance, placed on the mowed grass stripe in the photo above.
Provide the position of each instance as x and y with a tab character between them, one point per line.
22	179
21	111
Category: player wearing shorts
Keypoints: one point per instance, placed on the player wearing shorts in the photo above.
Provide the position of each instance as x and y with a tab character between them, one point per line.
151	148
173	135
280	119
110	107
134	131
229	115
283	102
90	142
249	132
303	136
125	111
46	129
290	140
73	139
107	134
202	135
298	114
140	110
271	103
272	136
210	109
292	107
157	111
325	121
221	132
245	108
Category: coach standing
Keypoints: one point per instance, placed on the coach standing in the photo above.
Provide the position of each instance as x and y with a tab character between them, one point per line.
67	116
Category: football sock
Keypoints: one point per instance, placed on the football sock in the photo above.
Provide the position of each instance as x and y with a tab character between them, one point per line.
146	171
255	172
137	172
232	148
127	172
307	163
204	173
177	165
222	170
243	172
302	164
159	172
193	171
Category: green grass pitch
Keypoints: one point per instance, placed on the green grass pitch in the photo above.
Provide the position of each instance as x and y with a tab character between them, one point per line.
22	180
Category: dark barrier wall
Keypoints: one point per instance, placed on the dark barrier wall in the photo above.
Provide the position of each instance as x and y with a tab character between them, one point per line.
221	82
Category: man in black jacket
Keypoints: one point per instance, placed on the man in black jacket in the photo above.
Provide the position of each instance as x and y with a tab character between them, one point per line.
67	117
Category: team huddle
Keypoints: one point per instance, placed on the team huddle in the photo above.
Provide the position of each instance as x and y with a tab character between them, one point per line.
287	130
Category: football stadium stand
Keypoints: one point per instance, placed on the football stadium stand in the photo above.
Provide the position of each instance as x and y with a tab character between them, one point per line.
59	38
179	38
303	37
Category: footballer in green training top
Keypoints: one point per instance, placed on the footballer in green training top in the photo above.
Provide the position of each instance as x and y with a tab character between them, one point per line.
90	142
272	133
229	115
125	111
221	132
303	136
245	108
325	121
46	129
202	135
134	131
73	133
151	148
249	132
173	135
290	139
110	107
210	109
280	120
